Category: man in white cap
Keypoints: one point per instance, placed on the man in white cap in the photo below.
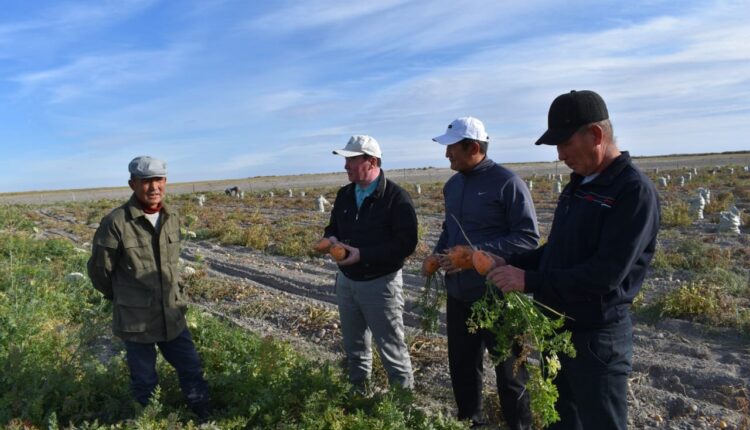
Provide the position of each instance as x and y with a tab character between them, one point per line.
134	264
494	208
374	219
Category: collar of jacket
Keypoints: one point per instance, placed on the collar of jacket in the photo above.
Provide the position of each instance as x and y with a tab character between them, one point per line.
135	209
610	173
481	167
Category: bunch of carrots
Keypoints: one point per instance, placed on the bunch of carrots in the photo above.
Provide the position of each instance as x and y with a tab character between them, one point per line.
517	319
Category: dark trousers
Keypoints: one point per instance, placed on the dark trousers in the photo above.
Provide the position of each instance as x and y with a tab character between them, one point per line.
593	386
465	360
181	354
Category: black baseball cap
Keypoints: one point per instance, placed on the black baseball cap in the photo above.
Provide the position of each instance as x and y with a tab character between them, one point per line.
569	112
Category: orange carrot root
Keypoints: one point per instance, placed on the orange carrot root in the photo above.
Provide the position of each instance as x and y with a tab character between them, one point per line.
430	265
338	252
482	261
460	256
323	245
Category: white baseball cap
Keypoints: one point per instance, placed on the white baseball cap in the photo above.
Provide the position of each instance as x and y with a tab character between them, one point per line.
359	145
466	127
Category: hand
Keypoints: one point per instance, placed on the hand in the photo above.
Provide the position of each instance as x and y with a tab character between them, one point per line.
447	265
499	261
508	278
352	256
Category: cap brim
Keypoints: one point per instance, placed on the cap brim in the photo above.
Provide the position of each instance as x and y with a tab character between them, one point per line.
556	136
447	139
344	153
149	176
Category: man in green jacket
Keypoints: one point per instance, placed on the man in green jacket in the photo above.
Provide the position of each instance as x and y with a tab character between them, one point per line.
134	263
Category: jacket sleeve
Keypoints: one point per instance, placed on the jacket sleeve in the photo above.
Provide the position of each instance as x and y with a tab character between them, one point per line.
442	242
528	260
626	234
104	257
403	233
332	229
522	232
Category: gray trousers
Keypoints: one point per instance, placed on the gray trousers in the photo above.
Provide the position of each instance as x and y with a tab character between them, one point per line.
374	309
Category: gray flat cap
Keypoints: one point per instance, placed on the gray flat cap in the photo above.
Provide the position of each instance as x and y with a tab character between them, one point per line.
147	167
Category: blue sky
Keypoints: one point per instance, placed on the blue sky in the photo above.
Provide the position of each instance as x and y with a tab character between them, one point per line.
229	89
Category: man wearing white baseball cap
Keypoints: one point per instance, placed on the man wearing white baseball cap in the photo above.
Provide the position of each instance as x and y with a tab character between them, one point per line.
374	219
494	208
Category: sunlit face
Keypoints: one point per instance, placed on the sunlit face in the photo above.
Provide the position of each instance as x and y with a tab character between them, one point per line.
149	191
360	169
580	152
460	157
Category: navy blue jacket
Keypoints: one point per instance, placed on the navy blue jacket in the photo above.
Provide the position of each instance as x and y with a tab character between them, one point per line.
600	245
494	207
384	228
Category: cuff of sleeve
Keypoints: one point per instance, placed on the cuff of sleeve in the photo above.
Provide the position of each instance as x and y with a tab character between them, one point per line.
533	281
513	261
364	255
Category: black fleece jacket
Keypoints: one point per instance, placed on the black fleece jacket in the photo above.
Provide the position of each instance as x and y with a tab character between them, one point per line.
384	228
601	242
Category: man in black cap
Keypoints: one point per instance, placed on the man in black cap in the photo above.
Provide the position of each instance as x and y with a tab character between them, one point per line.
592	266
134	263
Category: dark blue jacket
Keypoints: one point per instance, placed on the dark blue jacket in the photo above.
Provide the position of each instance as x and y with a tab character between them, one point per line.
495	209
600	245
384	228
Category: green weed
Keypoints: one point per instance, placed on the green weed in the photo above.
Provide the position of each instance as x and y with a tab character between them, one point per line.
675	215
692	255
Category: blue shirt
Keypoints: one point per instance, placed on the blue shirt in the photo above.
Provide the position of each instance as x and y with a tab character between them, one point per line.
361	193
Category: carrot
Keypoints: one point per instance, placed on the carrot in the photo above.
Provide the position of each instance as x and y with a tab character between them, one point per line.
430	265
323	245
460	256
482	261
338	252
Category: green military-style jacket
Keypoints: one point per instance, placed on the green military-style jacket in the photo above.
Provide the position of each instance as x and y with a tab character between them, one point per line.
138	270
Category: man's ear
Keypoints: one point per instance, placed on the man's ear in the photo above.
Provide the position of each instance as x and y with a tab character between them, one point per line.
597	134
131	184
474	149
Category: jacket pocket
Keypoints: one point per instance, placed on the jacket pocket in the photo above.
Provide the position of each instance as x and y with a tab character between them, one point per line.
132	311
138	253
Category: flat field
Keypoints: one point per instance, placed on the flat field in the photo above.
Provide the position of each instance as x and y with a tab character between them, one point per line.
252	266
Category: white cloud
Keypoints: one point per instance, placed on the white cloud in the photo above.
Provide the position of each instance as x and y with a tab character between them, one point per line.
91	74
301	15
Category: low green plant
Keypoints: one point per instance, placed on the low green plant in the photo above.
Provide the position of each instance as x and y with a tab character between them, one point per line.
431	300
517	321
707	303
675	214
719	202
60	366
693	255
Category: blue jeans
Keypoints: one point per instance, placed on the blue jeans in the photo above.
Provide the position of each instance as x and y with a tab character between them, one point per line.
181	354
593	386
